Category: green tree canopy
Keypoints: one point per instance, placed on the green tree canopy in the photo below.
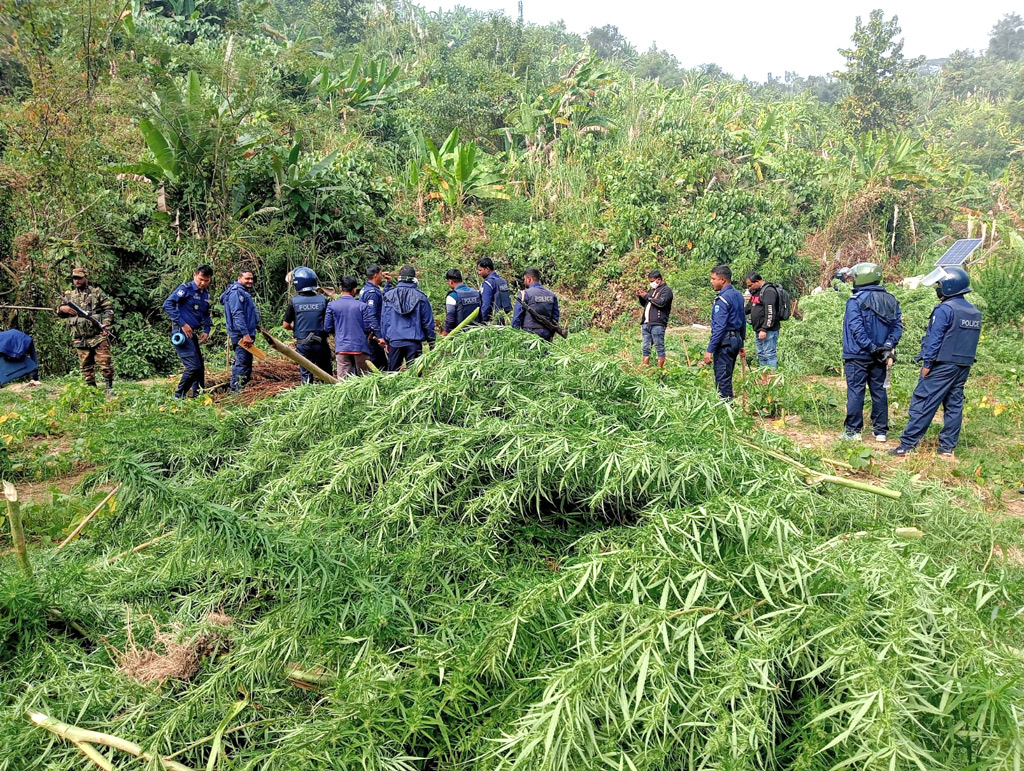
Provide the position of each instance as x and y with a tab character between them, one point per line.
877	76
1007	41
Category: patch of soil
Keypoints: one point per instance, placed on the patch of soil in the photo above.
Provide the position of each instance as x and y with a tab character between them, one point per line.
44	492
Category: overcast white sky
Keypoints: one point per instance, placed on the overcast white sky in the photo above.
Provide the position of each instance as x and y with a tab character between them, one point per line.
753	38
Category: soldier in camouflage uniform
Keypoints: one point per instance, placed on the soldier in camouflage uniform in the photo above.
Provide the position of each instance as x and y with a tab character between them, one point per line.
91	342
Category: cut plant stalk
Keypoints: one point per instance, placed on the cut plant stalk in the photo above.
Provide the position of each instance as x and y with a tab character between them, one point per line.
84	522
298	358
84	738
421	364
17	528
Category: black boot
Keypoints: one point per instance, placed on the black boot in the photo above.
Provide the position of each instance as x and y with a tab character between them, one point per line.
110	386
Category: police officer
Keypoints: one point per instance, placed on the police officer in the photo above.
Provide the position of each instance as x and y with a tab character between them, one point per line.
242	320
90	340
495	296
407	320
461	301
872	327
541	301
948	350
188	308
305	317
728	329
377	282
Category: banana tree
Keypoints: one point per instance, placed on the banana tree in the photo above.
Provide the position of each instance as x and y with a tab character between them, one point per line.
455	172
194	139
362	85
890	160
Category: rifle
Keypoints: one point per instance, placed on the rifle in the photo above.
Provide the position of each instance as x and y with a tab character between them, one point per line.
80	311
544	321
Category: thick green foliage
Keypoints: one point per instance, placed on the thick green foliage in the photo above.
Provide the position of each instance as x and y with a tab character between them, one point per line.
526	558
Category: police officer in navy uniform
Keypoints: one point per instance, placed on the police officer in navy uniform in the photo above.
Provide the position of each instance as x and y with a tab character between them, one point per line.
728	330
242	320
495	296
541	301
377	283
461	301
305	317
948	350
188	308
872	327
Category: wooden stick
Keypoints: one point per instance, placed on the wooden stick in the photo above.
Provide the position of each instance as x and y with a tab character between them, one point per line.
261	355
92	514
82	737
17	528
298	358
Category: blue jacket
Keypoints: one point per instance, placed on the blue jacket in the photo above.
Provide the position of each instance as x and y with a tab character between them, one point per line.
373	295
407	316
14	344
873	321
351	321
240	315
495	296
459	303
727	316
188	304
543	301
954	330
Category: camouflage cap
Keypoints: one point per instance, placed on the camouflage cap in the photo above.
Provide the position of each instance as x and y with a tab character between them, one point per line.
79	273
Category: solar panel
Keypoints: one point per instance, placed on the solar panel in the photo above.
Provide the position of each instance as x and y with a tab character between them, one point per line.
959	252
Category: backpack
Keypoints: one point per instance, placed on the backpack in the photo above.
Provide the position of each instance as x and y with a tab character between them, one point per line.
785	304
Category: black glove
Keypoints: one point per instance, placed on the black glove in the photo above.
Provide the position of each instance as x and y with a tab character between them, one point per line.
882	354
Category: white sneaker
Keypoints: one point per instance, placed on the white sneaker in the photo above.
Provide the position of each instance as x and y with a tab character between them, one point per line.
881	438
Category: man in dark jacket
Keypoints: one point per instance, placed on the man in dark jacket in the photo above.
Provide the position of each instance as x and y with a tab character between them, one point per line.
872	328
657	304
242	320
305	317
377	282
495	296
91	341
461	301
407	320
728	330
541	300
188	308
948	351
352	322
763	310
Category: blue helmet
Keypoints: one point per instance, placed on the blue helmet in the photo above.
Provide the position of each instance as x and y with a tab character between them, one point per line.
304	279
950	281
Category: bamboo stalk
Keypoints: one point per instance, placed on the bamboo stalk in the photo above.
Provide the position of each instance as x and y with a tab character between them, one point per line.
816	477
17	528
82	737
25	308
92	514
421	362
298	358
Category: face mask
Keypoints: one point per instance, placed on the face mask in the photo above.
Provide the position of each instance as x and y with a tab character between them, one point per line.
653	285
938	292
415	281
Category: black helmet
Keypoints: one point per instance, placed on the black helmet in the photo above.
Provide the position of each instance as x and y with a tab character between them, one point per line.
950	281
304	279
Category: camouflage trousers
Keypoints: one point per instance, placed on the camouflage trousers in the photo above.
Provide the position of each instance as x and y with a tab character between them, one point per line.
90	358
